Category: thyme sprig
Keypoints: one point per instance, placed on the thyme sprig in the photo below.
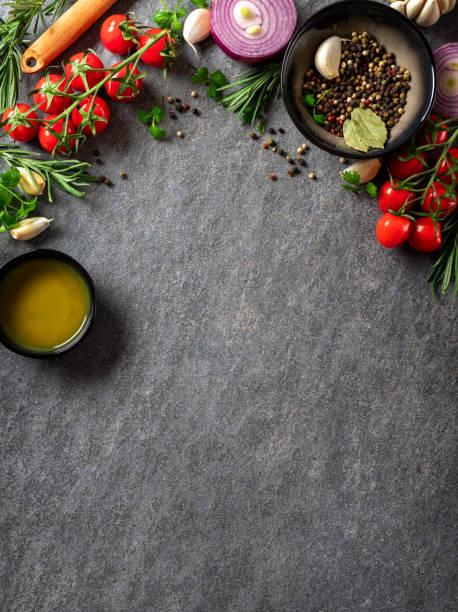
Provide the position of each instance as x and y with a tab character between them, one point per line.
67	174
23	18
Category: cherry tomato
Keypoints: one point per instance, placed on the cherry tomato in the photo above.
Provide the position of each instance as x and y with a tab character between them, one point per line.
435	198
152	56
112	86
99	109
392	198
56	103
405	169
427	137
48	141
112	36
449	163
24	131
93	77
425	236
393	230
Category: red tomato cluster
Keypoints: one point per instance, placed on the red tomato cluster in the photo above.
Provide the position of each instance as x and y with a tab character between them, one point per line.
395	200
83	71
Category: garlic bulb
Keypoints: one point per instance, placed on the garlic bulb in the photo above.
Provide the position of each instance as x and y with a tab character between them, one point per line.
425	12
197	27
29	228
366	168
328	56
31	183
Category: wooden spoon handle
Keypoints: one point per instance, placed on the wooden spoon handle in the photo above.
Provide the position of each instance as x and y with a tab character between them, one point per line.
63	33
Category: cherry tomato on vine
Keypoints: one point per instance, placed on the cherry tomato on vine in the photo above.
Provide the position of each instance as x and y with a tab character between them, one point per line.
428	137
92	76
112	37
435	200
392	230
26	128
112	86
55	104
48	141
100	109
450	162
425	236
405	169
392	198
152	56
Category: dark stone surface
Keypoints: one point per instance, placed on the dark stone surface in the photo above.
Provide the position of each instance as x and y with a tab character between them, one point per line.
262	418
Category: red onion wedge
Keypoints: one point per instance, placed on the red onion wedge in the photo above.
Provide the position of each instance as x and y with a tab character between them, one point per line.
446	57
253	30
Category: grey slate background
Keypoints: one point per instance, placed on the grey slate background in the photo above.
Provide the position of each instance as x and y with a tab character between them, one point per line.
262	418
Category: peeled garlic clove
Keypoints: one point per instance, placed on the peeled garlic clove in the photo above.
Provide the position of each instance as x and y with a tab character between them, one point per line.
429	14
451	5
197	27
399	6
444	6
366	168
31	183
413	7
29	228
328	56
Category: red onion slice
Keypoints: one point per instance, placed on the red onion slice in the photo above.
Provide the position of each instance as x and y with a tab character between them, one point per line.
260	35
446	58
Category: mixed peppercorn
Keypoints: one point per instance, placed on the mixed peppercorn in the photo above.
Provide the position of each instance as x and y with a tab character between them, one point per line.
368	78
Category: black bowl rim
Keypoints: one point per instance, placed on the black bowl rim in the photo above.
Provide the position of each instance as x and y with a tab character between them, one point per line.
389	12
52	254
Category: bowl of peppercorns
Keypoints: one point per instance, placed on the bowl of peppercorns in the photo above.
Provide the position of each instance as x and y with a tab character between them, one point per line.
385	65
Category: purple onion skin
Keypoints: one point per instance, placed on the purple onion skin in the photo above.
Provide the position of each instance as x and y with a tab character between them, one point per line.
243	58
442	105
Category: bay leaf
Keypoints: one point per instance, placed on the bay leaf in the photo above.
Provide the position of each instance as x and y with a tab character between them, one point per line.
351	137
365	129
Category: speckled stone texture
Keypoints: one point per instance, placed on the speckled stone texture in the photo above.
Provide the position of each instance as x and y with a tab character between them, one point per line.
262	418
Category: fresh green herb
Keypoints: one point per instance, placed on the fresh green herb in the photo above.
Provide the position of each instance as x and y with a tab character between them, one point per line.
445	269
24	15
309	100
68	174
262	127
353	184
155	116
13	207
200	3
167	19
213	80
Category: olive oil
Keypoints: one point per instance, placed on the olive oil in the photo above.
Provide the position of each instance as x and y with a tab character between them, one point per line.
44	303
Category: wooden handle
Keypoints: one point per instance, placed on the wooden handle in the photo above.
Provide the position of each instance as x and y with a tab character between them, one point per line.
63	33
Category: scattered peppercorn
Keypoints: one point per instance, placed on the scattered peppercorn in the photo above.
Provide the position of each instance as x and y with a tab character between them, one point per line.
196	112
342	160
96	152
169	99
99	161
300	150
280	152
122	175
173	116
177	100
180	108
265	145
193	94
281	130
292	172
270	142
312	176
253	135
272	131
100	179
108	182
305	146
180	134
186	106
274	149
272	177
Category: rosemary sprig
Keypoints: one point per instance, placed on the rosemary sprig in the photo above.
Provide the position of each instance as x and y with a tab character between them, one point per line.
24	15
67	174
445	269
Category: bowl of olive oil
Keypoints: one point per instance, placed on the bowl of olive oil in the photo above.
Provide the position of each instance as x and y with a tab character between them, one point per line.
47	303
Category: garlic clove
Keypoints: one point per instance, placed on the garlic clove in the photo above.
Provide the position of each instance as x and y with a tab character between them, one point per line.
31	182
366	168
399	6
444	6
413	7
328	56
429	14
197	27
451	6
29	228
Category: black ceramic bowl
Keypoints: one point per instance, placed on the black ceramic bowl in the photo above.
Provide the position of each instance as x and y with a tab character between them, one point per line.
50	254
396	33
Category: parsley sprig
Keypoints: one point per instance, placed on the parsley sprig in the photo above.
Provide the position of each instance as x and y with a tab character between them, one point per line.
312	103
155	116
352	183
13	207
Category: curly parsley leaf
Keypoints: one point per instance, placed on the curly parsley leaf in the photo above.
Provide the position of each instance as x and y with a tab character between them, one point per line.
320	119
371	189
10	178
309	100
200	76
200	3
156	115
170	20
353	184
216	80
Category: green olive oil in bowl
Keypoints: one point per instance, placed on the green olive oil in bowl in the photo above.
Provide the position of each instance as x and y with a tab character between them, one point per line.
46	303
